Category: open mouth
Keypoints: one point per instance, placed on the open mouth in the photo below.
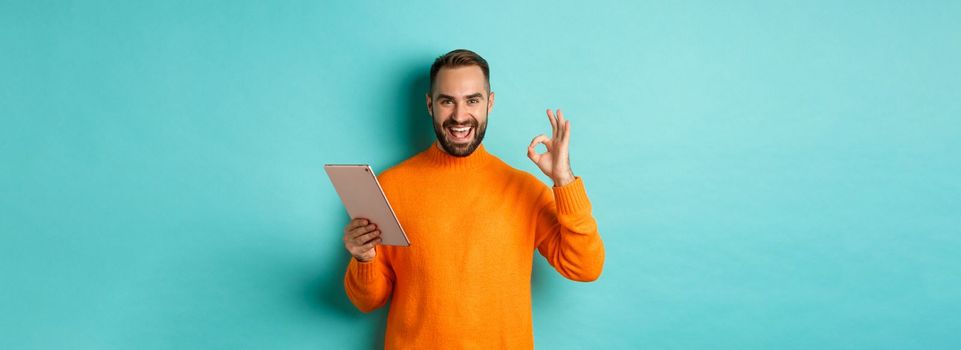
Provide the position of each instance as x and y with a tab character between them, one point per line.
461	134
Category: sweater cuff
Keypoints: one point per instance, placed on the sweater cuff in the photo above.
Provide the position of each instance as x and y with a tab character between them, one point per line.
364	270
572	198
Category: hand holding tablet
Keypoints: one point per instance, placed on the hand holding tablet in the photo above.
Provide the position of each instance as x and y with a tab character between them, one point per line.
360	238
364	199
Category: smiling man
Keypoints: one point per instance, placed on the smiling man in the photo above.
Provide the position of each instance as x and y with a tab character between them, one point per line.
474	223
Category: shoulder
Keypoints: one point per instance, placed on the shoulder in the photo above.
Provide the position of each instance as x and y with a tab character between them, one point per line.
399	172
523	181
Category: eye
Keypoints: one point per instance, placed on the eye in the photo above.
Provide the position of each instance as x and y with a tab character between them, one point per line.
473	101
446	102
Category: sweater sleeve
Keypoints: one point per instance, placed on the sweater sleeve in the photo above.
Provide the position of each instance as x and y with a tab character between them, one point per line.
369	284
566	232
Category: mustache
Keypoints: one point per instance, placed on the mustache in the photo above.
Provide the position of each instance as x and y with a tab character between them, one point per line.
450	123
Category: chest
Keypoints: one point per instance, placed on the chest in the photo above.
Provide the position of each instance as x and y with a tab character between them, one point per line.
475	231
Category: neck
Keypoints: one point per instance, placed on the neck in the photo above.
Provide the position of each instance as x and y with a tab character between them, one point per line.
439	157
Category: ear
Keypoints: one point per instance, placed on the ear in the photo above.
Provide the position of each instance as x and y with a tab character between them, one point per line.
430	106
490	102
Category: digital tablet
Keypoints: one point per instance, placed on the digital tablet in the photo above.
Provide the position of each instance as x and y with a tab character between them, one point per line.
362	196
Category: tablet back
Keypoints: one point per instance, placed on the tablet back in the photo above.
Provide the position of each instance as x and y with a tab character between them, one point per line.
363	197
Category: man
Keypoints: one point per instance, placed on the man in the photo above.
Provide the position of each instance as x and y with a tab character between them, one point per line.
473	222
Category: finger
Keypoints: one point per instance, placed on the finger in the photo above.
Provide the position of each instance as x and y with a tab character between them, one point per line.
532	149
367	237
567	132
357	232
366	247
537	139
355	223
364	238
369	245
533	155
550	116
560	123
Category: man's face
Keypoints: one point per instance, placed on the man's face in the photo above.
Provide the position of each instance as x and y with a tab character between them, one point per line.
459	106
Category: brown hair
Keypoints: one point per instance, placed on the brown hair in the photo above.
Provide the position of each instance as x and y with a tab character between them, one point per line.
459	58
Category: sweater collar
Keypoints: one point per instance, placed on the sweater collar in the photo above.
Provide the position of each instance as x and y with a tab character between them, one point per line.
442	159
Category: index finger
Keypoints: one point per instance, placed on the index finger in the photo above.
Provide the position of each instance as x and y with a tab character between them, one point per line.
358	222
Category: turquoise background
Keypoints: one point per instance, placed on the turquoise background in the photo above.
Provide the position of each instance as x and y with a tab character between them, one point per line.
766	175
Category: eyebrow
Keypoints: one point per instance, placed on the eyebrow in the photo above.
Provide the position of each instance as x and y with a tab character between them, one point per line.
474	95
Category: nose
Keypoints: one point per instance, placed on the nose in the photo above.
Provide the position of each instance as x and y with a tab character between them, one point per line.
461	114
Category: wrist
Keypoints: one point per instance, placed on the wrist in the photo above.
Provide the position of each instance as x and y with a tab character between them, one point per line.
564	179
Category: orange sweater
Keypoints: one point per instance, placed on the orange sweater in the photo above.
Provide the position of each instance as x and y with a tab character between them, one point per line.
473	223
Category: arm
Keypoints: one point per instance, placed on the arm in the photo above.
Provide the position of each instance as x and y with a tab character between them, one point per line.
369	279
566	233
368	284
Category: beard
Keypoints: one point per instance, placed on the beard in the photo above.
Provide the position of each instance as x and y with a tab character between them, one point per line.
460	149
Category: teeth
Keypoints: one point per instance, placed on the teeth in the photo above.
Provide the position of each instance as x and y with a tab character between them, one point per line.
461	129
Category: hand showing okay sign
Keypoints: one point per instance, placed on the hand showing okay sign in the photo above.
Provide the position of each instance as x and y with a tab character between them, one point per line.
555	163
